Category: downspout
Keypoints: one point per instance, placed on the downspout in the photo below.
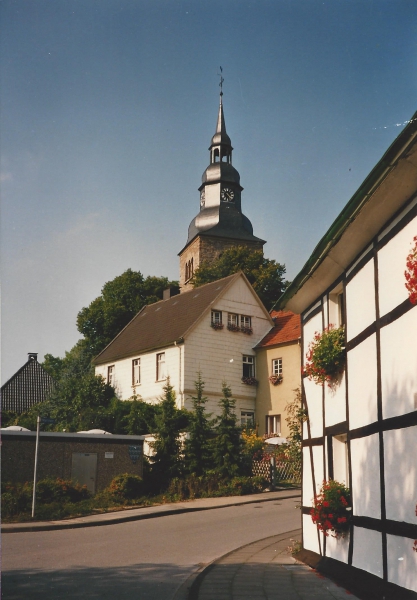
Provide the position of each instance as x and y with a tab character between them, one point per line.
180	379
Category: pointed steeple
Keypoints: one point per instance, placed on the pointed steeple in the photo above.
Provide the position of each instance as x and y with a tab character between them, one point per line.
220	138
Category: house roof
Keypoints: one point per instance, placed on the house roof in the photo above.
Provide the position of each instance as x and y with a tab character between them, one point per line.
30	385
287	328
165	322
390	184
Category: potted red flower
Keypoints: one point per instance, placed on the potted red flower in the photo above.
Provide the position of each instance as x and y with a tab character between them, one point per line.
325	358
332	509
411	273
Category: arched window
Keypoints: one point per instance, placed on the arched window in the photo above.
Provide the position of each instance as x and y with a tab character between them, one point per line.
216	155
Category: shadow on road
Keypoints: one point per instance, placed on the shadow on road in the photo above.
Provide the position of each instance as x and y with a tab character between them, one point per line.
138	582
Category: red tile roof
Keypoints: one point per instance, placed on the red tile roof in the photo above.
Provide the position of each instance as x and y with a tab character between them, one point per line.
287	329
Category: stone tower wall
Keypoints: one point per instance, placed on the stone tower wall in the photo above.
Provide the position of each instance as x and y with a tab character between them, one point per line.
207	248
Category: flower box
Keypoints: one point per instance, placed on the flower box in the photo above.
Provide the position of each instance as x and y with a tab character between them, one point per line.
216	326
247	330
233	327
249	381
326	355
332	509
276	379
411	273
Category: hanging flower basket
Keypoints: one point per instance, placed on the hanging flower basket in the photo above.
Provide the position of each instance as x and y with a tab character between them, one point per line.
332	509
217	326
247	330
411	273
326	355
233	327
276	379
249	381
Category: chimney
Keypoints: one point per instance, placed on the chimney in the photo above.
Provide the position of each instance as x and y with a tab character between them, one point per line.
32	356
169	292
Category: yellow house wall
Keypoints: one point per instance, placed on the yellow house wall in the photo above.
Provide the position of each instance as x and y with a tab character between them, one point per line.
272	399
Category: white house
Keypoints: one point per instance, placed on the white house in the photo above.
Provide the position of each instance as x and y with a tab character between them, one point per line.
364	431
211	329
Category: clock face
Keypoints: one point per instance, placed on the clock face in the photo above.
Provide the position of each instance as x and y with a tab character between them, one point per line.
227	195
202	198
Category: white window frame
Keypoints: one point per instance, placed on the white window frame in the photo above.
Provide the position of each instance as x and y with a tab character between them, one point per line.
136	371
216	317
160	367
247	417
273	424
245	321
110	375
277	366
248	361
233	319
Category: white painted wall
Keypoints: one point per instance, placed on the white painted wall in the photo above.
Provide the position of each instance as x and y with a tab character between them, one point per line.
400	463
399	365
362	383
310	536
402	562
338	548
309	329
314	394
308	493
365	487
367	551
391	267
335	402
360	301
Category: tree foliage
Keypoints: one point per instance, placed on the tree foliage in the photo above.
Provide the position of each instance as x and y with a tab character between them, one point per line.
197	448
120	300
228	443
296	416
265	275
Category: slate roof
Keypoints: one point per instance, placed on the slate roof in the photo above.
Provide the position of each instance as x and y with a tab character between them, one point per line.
287	329
30	385
165	322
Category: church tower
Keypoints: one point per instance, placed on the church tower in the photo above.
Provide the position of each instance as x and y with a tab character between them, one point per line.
220	224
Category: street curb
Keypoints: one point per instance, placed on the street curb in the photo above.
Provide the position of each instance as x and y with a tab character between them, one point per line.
198	577
31	527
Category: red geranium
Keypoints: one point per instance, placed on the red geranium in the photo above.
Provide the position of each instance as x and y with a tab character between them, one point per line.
411	273
331	511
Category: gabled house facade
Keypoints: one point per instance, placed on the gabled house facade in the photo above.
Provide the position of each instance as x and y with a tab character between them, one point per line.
363	430
30	385
278	359
211	329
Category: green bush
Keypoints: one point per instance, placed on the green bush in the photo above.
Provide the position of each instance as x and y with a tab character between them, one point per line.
213	486
126	487
60	490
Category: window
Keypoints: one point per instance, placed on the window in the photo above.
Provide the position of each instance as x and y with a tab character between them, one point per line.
277	366
337	306
189	269
110	375
338	458
247	418
273	424
248	366
245	321
216	317
233	319
160	366
136	371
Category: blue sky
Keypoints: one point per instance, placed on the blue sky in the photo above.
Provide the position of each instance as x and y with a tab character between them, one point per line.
108	108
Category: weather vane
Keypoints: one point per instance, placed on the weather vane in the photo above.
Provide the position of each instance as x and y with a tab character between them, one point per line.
221	81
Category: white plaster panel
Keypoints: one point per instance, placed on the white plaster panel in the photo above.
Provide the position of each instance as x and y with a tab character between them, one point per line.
325	312
314	394
391	267
366	493
338	548
367	551
400	451
335	402
310	536
360	301
312	326
399	365
402	562
308	493
362	383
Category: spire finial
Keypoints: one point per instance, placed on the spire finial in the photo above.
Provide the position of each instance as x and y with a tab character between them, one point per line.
221	82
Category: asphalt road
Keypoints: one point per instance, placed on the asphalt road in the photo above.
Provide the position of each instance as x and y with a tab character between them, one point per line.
141	560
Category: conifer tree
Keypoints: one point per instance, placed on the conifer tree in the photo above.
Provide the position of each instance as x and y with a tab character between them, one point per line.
228	442
198	454
167	445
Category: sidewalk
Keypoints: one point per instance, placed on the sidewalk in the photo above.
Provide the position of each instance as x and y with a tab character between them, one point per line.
263	570
149	512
